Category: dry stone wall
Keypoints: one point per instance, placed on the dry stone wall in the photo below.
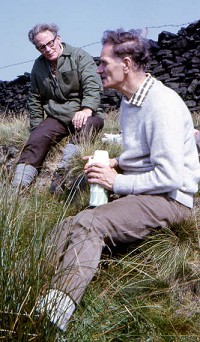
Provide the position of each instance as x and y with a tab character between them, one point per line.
175	60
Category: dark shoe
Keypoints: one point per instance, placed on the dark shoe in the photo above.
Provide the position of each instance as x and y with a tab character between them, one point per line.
78	184
63	184
58	182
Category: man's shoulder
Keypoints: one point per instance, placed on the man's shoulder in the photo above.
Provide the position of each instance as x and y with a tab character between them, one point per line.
74	51
39	62
67	49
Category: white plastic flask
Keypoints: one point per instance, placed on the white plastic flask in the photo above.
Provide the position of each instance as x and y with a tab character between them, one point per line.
98	195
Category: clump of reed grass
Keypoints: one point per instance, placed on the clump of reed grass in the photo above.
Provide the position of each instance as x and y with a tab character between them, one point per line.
27	218
149	293
14	131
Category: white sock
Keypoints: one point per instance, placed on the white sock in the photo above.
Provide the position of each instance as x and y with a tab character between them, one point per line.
58	306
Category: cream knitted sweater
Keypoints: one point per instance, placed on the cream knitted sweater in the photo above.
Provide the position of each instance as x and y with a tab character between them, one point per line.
160	154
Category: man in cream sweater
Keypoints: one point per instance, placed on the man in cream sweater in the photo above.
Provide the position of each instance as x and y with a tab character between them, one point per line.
156	176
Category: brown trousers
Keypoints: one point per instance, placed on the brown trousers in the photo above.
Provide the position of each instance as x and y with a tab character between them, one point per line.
77	242
51	131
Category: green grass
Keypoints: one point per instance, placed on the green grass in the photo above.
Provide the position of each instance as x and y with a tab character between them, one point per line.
143	292
13	130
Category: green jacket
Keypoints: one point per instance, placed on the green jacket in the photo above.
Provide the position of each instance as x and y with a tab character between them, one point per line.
75	86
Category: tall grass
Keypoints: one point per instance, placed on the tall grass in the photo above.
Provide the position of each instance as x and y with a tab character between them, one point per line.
148	291
13	130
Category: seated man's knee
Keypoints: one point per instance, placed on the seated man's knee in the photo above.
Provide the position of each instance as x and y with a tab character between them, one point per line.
94	122
85	222
82	219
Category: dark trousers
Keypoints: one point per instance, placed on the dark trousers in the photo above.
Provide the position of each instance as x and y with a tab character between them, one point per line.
50	132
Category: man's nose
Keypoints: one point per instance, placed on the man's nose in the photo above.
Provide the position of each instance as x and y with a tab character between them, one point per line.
99	69
47	48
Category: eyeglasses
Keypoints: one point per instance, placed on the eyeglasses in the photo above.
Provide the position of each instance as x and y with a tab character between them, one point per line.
50	44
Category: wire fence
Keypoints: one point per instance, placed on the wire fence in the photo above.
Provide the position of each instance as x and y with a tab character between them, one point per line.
94	43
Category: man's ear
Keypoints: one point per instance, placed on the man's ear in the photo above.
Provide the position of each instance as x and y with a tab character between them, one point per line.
59	38
127	63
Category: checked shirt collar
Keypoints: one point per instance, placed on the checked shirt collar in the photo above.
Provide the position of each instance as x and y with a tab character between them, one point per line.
141	93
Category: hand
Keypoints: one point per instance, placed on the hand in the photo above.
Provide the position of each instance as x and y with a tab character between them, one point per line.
113	163
80	118
98	173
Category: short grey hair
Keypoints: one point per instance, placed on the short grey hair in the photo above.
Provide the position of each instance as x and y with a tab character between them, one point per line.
130	43
41	28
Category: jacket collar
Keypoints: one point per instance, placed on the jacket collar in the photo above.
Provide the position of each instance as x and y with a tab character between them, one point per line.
67	49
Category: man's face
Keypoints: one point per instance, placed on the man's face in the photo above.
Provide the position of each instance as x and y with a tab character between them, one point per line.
111	68
48	44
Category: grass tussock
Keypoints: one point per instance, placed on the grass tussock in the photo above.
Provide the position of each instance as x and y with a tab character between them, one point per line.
13	131
147	291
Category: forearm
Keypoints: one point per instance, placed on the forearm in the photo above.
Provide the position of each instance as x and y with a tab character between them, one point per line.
152	182
35	108
36	116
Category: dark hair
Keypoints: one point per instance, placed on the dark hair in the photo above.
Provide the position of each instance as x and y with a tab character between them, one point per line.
128	43
41	28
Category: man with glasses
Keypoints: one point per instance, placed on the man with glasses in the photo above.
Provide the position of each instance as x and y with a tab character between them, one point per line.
64	101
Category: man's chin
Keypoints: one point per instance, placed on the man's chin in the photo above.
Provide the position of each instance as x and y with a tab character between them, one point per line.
52	57
105	84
